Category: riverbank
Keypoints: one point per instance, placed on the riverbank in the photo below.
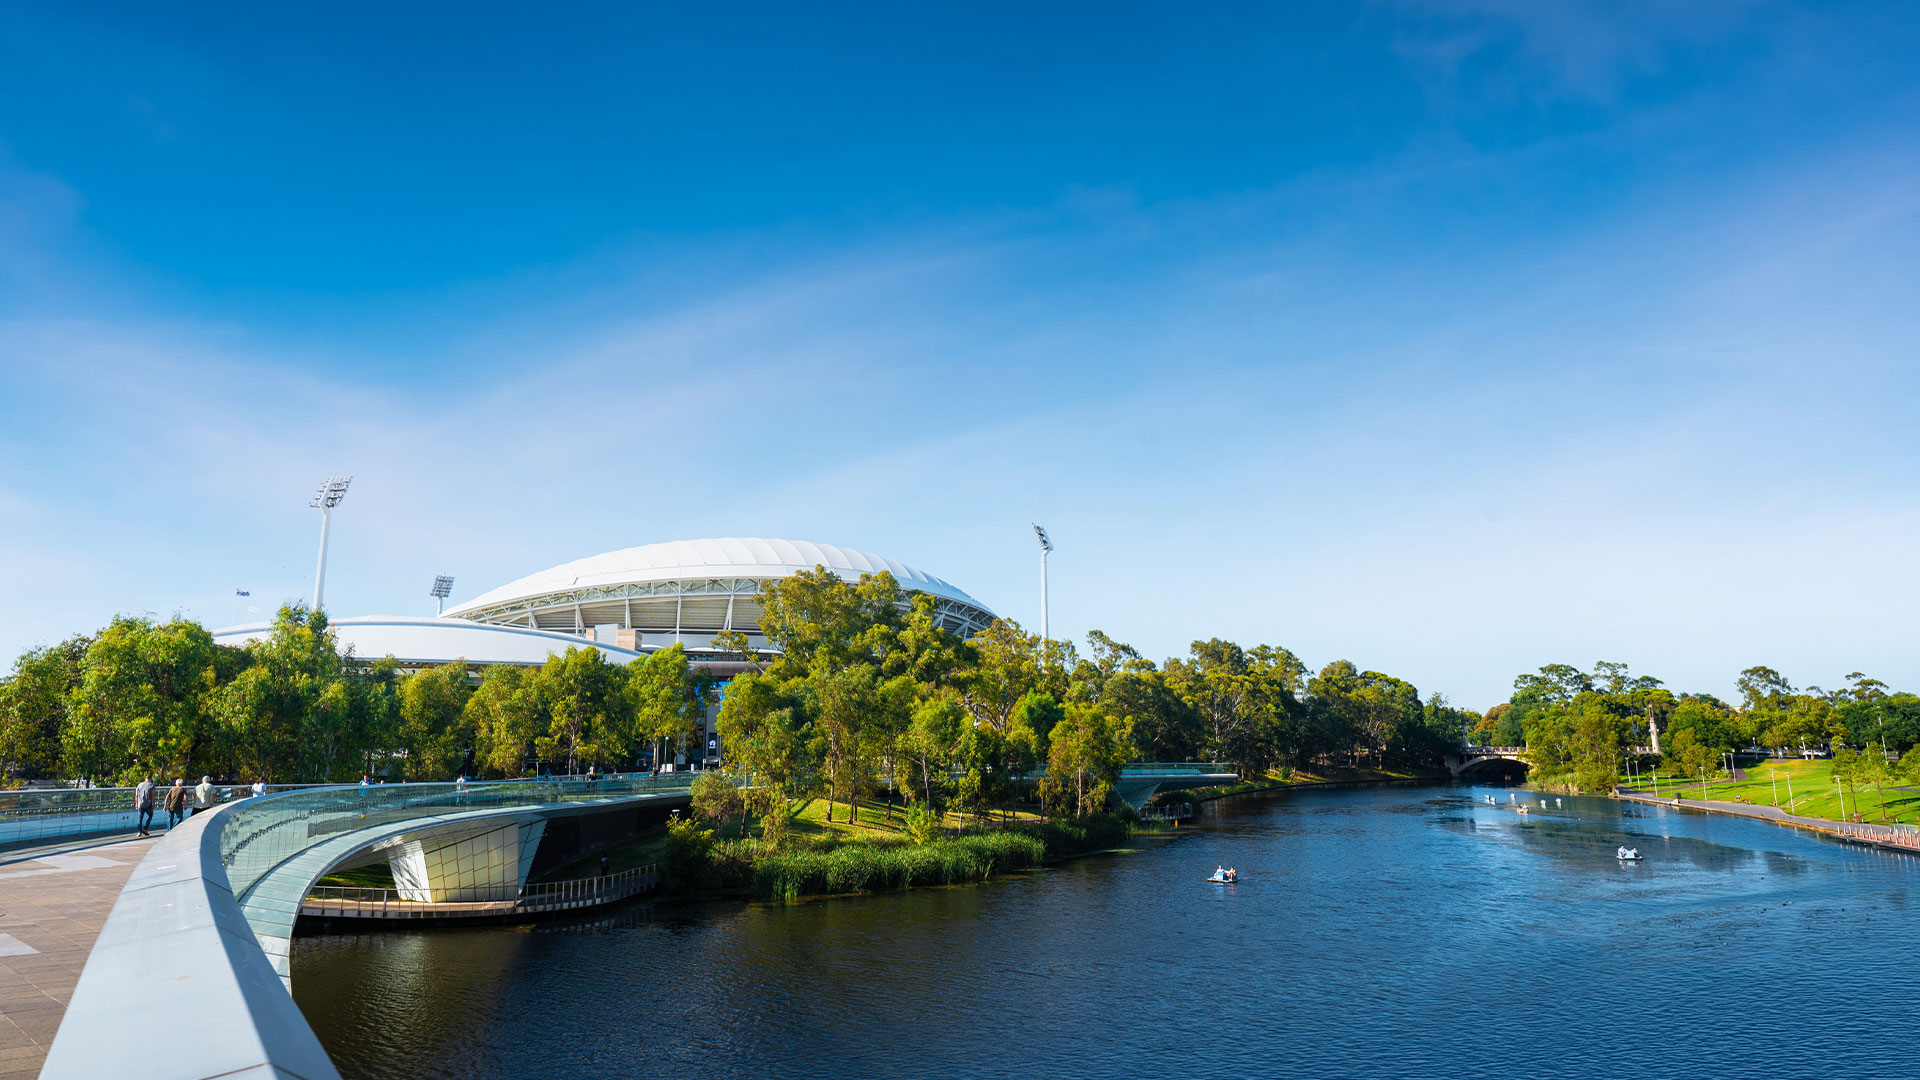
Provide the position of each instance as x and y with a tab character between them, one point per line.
1891	837
695	861
1290	779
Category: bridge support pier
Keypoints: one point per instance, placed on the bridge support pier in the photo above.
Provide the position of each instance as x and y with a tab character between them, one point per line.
487	866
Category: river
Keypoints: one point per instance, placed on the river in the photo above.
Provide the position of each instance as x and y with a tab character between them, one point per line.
1381	932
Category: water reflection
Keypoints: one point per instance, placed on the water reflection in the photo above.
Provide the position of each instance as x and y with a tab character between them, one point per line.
1386	932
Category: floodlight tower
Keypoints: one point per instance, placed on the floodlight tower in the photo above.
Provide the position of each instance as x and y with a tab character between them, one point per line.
442	588
332	490
1046	549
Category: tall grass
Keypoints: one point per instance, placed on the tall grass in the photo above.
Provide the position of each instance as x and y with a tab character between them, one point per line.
974	856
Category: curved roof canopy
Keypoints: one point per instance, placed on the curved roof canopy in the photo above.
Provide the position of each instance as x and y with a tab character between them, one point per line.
692	585
413	640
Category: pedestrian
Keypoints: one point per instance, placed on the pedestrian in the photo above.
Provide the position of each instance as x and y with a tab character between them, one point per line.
606	866
143	803
202	796
259	787
176	802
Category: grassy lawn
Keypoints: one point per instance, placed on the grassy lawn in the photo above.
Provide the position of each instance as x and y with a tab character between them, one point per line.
810	825
377	876
1811	782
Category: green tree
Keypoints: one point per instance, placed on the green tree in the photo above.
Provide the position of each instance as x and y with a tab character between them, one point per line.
435	727
1003	664
142	702
281	717
34	708
590	716
1691	757
507	715
931	741
1086	754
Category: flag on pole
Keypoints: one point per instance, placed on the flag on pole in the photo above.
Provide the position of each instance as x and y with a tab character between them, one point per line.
241	592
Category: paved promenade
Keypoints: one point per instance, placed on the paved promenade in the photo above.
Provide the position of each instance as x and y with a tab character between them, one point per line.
1901	837
52	905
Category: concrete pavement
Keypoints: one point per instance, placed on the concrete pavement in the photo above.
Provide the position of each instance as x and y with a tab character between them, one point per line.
52	906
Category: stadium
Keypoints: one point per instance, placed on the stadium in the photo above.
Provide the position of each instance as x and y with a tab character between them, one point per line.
627	603
686	591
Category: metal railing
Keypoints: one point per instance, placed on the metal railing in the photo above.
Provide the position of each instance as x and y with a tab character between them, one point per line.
381	903
280	827
53	813
1174	768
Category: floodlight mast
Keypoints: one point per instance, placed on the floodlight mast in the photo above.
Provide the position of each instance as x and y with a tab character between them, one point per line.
442	588
1046	549
332	490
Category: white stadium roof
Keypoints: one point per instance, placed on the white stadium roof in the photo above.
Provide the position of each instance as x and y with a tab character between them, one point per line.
418	640
727	556
692	586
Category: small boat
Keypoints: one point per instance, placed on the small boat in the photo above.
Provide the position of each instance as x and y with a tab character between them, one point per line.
1219	880
1627	854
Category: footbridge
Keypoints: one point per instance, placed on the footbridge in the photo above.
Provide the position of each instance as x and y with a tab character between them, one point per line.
1139	781
205	922
1475	761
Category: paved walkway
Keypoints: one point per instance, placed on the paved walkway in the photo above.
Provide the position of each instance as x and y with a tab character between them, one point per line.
1903	838
52	906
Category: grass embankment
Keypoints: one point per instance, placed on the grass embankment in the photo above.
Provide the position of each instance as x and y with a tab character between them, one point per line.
975	855
1286	778
1810	782
874	854
377	876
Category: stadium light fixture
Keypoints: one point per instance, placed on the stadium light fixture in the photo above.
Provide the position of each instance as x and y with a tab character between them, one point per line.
1046	549
332	490
442	588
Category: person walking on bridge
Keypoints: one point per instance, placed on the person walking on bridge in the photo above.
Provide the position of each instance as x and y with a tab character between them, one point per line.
202	796
143	805
176	802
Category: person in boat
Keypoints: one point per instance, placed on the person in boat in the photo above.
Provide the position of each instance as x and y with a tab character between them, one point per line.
1232	874
1219	873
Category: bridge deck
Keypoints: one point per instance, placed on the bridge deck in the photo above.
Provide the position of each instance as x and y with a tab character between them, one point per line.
52	906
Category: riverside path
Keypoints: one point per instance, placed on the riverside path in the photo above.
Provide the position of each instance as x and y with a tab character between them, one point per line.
53	902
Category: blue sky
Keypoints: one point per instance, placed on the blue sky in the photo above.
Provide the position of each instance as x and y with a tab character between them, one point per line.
1449	338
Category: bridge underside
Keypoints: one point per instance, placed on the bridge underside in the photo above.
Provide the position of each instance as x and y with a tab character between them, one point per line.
1487	768
1136	790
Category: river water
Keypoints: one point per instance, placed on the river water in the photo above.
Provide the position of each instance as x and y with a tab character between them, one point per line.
1382	932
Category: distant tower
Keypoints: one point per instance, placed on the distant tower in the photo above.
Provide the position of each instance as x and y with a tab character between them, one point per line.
332	490
442	588
1046	549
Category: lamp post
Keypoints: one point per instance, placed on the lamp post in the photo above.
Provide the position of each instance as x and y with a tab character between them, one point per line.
332	490
1046	549
442	588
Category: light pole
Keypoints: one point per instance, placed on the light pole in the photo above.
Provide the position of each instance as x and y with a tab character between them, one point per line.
442	588
1046	549
1774	776
332	490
